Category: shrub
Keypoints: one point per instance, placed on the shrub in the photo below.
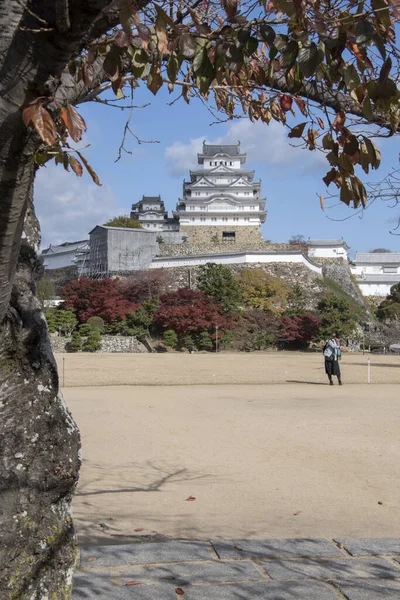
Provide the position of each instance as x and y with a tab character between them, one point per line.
187	342
219	283
85	329
96	323
93	342
170	338
205	342
76	342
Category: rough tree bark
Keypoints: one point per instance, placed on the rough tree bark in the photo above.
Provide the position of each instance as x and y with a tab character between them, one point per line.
39	441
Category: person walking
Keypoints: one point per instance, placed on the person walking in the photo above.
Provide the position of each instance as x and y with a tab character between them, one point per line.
332	352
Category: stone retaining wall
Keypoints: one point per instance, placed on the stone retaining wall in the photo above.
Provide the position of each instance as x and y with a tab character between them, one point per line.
291	273
187	249
109	344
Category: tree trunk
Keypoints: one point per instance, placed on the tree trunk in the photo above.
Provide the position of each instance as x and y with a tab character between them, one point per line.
39	445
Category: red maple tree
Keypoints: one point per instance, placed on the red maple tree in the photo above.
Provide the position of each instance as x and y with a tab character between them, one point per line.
97	298
299	328
191	312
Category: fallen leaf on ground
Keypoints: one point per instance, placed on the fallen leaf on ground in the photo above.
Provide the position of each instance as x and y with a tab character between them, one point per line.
380	502
91	559
169	577
297	513
190	499
133	583
179	591
139	529
239	548
341	546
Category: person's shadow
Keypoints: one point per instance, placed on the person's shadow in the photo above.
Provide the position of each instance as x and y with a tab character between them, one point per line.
306	382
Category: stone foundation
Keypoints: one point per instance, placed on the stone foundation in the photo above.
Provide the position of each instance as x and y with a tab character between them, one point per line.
109	344
213	235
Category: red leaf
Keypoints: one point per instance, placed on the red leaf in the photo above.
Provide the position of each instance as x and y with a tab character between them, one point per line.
339	120
286	102
89	169
320	123
190	499
302	105
73	122
230	7
134	583
179	591
40	119
297	513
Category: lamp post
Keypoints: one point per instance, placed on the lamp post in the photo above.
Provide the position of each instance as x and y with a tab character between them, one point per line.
216	338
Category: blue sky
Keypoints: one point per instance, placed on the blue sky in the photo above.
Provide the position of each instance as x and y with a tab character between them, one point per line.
69	207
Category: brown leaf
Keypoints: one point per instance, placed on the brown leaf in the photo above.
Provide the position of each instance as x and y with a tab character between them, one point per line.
134	583
154	81
168	577
179	591
73	122
87	73
239	548
297	513
76	166
341	545
28	112
230	7
329	177
139	529
190	499
44	125
144	34
311	137
89	169
322	202
340	120
91	559
301	104
162	37
297	131
321	123
122	38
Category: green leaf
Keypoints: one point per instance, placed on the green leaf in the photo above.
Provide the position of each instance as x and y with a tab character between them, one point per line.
381	10
297	131
351	77
308	59
250	47
267	34
172	67
364	32
198	59
289	54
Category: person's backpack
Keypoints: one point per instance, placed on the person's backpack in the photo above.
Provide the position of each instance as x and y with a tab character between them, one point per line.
325	347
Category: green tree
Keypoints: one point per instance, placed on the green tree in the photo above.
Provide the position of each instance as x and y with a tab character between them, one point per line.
297	300
204	341
62	321
218	282
337	316
170	338
76	342
85	329
96	323
124	221
187	342
389	309
45	291
93	342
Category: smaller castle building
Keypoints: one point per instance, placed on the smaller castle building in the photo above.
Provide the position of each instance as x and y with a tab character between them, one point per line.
150	212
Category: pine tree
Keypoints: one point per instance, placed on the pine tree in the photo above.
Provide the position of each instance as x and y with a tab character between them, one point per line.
76	342
93	342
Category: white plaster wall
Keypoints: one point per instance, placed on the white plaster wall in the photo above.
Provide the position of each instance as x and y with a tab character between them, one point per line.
321	252
227	259
374	289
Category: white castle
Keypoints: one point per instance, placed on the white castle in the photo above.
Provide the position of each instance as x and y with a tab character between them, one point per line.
221	202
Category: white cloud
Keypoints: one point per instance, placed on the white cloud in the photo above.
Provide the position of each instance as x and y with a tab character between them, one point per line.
264	144
183	157
69	207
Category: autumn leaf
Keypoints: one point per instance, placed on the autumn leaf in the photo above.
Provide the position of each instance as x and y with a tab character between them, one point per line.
179	591
301	105
122	38
320	123
311	137
73	121
322	202
230	7
134	583
154	81
297	131
239	548
76	166
190	499
139	529
89	169
296	514
39	118
339	121
161	33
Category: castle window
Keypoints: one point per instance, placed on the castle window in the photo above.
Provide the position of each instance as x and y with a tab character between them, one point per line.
228	236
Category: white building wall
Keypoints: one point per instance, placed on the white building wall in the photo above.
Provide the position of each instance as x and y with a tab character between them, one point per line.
237	258
327	252
374	289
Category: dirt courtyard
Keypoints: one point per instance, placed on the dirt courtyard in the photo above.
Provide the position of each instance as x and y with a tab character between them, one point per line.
261	461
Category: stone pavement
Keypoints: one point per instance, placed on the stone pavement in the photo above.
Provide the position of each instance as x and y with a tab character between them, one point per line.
286	569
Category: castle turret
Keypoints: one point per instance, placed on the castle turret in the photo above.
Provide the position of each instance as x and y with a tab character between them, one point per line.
221	202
